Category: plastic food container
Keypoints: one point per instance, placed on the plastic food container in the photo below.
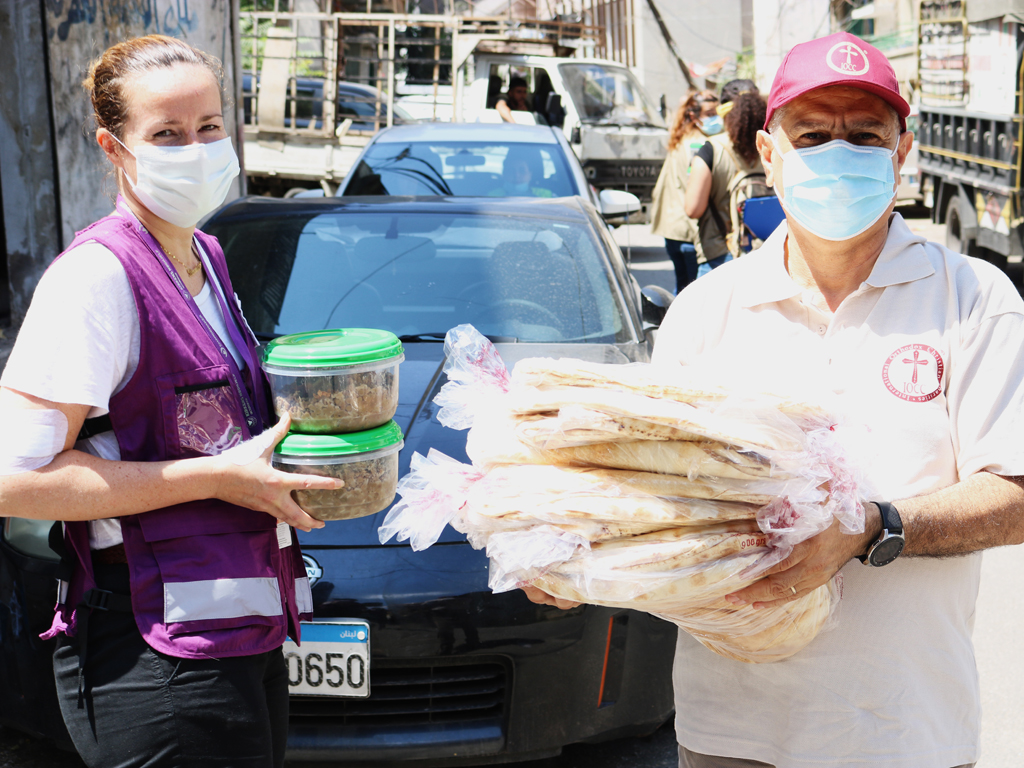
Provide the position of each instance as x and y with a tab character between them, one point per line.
366	461
337	381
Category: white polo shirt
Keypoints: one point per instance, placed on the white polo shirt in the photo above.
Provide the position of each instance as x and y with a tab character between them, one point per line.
928	353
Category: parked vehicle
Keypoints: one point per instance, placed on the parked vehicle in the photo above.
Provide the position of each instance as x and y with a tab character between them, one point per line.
970	124
456	674
909	190
304	103
613	126
477	160
457	159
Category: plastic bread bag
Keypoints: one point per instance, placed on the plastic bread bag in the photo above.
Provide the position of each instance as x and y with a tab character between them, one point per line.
698	552
592	503
761	635
477	378
746	435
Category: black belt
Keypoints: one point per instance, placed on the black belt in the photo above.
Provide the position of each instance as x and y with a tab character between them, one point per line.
94	600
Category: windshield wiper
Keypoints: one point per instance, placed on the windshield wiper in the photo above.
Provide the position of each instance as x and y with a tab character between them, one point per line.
440	336
435	336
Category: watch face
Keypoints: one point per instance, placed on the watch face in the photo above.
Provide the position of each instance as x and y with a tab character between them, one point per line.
884	552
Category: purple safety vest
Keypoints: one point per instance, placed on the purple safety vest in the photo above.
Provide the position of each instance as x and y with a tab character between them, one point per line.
208	578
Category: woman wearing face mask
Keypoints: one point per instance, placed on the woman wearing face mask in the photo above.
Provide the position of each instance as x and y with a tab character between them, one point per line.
693	123
135	396
712	172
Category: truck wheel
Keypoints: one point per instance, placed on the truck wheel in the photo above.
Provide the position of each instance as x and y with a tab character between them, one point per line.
954	240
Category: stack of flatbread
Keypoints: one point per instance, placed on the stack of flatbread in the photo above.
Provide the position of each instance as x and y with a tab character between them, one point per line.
644	488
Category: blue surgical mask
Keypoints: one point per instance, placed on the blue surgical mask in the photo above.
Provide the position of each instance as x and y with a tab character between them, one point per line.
837	190
711	125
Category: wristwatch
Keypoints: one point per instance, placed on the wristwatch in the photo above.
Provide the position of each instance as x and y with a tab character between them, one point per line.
889	545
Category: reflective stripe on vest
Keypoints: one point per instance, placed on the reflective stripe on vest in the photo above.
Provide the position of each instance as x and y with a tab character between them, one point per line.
303	595
221	599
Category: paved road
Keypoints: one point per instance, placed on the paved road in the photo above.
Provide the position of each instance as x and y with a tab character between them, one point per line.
998	631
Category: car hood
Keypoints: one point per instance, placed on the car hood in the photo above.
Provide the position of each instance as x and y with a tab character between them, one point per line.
420	378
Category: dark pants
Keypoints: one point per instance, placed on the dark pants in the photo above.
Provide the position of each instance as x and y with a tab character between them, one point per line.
684	259
143	708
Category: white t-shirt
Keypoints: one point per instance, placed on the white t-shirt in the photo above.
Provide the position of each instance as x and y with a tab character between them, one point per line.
80	340
894	683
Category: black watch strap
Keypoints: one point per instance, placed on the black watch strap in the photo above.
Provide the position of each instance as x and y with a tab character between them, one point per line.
892	525
891	520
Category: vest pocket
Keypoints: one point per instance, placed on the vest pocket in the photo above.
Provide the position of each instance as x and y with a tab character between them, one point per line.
202	414
219	580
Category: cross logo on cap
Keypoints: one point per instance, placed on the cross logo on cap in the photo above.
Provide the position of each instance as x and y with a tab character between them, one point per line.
849	64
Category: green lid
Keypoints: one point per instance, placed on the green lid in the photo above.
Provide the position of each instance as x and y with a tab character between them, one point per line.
341	346
376	439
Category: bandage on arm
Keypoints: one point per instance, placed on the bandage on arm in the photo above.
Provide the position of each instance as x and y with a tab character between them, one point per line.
33	437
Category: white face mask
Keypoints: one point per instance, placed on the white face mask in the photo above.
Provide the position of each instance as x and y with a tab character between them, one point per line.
181	184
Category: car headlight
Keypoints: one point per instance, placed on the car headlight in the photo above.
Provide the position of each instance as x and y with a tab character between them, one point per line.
30	537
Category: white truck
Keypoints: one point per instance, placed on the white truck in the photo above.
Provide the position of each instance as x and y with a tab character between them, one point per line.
971	124
294	141
614	128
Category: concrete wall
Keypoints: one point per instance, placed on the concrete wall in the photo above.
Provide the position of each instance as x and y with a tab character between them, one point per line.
27	177
77	32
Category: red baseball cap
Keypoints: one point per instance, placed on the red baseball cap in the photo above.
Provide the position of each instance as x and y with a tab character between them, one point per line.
839	59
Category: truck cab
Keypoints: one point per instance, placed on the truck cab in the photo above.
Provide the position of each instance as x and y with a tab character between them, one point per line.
609	120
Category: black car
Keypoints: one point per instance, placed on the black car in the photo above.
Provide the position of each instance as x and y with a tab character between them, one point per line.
457	674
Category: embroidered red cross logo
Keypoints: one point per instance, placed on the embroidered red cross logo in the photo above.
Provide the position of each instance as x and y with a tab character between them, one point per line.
915	362
915	385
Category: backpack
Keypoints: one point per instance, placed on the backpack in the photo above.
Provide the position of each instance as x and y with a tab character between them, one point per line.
743	186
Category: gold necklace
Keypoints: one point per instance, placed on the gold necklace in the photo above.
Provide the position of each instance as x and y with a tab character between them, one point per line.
188	270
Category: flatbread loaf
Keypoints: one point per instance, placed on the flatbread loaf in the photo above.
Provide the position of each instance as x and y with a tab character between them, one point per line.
583	426
688	385
662	592
741	428
763	635
694	460
668	550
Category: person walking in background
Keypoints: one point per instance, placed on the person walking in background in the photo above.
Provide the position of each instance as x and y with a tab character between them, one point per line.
141	419
712	174
692	124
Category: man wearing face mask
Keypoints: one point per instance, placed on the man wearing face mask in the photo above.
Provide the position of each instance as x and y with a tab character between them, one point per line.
920	345
138	415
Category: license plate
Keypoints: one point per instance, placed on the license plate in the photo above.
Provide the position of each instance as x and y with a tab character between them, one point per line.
334	659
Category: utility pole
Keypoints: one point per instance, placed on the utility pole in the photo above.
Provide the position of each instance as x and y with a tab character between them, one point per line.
671	44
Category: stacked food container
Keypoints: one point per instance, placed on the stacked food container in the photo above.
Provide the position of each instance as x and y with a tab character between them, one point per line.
341	389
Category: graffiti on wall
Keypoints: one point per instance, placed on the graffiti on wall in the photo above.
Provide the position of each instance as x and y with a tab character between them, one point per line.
166	17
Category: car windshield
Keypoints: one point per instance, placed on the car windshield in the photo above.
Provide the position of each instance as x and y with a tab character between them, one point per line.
608	95
537	278
462	169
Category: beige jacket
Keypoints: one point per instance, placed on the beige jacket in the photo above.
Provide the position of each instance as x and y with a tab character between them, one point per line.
668	215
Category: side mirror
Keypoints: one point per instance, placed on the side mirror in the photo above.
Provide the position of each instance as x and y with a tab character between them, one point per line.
615	202
554	111
663	107
654	303
575	137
